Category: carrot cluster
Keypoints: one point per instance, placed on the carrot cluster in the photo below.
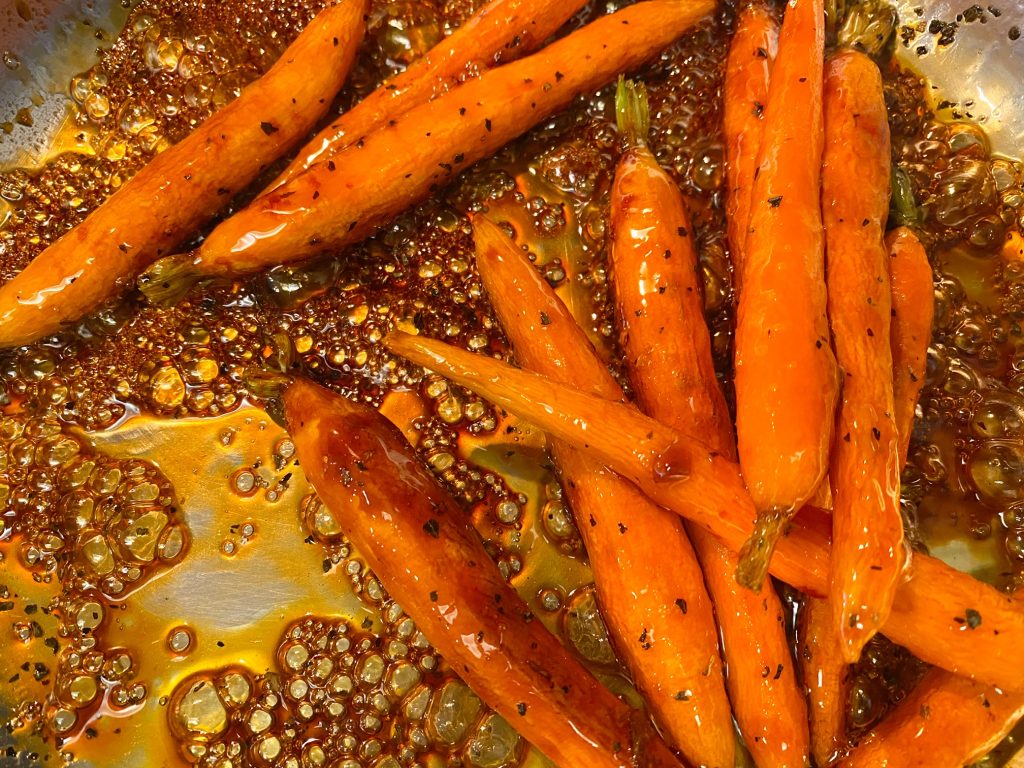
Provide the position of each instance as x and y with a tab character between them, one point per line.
685	514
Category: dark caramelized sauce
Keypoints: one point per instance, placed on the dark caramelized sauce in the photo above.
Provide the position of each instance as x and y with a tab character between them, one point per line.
85	531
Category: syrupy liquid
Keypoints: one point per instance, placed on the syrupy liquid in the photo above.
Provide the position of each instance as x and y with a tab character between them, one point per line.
173	588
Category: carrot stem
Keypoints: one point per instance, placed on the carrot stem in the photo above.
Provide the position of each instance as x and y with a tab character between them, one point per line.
632	115
681	473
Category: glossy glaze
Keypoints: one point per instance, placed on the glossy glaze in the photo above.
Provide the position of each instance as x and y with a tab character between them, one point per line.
425	552
928	611
343	200
785	369
184	186
867	526
665	341
499	32
644	565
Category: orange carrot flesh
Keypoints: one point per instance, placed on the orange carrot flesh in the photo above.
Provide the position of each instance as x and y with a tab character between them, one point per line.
910	276
667	350
344	199
825	668
867	527
649	582
946	722
184	186
680	473
825	676
753	48
498	33
421	546
785	381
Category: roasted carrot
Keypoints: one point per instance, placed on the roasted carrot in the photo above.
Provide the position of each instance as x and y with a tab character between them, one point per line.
344	199
786	382
499	32
867	528
913	303
667	350
754	44
825	674
421	546
825	668
184	186
649	583
946	722
681	473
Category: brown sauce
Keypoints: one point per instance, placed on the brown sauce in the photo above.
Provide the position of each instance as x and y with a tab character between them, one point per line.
84	530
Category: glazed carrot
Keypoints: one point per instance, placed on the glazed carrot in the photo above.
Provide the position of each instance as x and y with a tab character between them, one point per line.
499	32
825	677
825	668
867	528
649	582
946	722
184	186
422	547
679	472
785	381
667	351
913	302
753	47
344	199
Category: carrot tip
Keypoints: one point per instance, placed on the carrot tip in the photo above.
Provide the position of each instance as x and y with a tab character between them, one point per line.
168	279
756	554
632	114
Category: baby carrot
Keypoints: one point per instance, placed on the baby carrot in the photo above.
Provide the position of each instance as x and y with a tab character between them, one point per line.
184	186
825	677
824	665
946	722
649	582
867	527
755	42
499	32
786	382
344	199
421	546
913	304
929	614
667	350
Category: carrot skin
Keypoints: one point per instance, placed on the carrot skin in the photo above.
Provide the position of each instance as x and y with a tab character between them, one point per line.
786	383
667	350
825	674
649	583
946	722
423	549
184	186
344	199
913	300
868	554
682	474
752	50
498	33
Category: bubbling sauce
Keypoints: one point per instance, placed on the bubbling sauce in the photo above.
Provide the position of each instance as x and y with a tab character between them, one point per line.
89	532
